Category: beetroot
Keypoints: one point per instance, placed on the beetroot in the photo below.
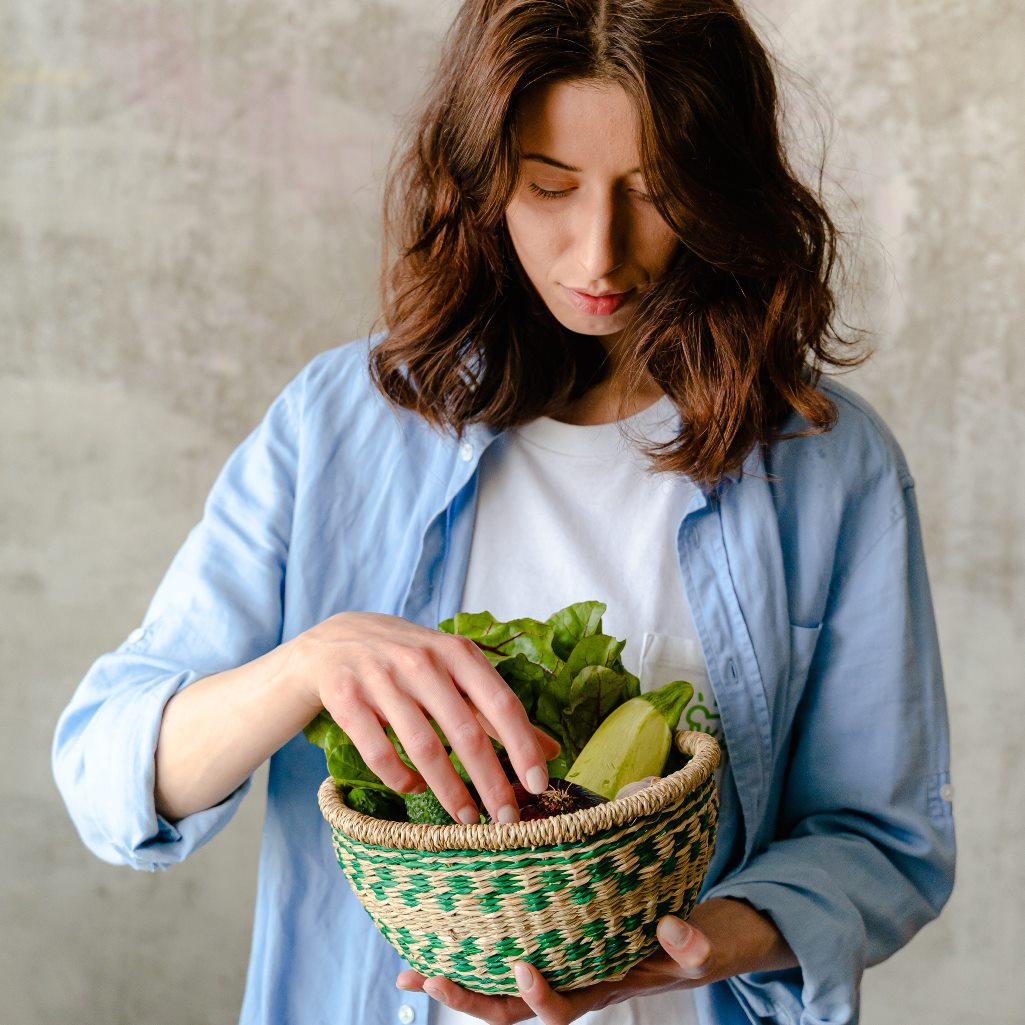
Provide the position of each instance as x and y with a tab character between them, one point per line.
560	798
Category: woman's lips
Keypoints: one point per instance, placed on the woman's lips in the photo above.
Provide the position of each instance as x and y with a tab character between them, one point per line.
598	305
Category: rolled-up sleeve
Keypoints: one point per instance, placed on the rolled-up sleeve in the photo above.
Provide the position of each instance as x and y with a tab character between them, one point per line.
863	850
218	606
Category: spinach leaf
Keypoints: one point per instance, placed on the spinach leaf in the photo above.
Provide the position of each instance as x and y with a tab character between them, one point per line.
324	732
347	768
375	802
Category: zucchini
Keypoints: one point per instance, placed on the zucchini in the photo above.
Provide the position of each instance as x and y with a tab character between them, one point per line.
632	742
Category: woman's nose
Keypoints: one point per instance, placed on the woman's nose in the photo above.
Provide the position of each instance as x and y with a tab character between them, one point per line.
600	241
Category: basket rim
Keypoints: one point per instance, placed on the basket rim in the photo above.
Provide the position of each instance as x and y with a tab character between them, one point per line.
423	837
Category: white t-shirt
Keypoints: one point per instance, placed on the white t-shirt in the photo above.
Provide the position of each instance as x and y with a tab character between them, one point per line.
569	513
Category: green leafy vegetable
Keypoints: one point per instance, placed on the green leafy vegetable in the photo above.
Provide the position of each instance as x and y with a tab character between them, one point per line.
380	804
427	808
633	742
573	623
568	675
500	641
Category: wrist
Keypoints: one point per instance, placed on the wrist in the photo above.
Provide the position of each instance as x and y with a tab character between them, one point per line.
744	939
291	675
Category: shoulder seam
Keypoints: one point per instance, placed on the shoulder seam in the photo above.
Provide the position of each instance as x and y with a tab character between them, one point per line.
840	393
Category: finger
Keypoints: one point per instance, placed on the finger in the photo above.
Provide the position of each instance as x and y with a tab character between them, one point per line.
503	710
655	974
550	747
364	729
410	980
469	740
688	947
425	750
504	1009
549	1006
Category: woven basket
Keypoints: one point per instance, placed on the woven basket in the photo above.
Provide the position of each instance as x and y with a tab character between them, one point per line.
577	895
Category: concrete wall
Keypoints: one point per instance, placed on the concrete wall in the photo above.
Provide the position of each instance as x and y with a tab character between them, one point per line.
188	212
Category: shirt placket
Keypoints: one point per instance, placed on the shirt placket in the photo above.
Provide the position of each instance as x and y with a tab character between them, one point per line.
436	585
729	657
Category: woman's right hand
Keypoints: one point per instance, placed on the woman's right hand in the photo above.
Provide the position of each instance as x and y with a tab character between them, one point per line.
369	670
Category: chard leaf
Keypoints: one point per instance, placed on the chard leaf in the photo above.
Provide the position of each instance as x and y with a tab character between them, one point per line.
596	650
574	715
526	679
500	641
574	623
550	703
594	693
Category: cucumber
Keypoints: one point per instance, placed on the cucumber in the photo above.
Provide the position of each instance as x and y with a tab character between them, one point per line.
632	742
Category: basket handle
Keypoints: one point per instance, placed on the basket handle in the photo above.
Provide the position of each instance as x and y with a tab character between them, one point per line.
698	745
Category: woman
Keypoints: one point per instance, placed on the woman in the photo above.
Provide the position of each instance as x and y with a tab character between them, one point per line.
607	317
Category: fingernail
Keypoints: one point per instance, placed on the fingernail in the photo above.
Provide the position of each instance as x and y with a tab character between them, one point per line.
695	963
508	813
468	816
524	976
673	931
693	947
537	779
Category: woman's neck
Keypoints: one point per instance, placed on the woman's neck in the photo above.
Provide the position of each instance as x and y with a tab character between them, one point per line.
606	403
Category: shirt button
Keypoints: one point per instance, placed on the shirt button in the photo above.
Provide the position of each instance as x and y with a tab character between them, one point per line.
466	452
136	635
407	1015
947	792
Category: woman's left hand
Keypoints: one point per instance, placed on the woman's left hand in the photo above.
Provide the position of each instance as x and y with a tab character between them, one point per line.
722	938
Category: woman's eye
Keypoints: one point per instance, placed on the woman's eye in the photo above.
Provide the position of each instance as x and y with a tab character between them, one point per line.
546	193
543	193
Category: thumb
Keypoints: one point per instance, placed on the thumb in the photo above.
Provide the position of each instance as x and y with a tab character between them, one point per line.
687	946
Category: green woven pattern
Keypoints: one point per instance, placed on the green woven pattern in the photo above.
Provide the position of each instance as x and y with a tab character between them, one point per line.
581	911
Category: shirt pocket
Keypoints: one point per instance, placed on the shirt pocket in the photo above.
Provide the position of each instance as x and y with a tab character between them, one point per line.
803	640
793	678
665	658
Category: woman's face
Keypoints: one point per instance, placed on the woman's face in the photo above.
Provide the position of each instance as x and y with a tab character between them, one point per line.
580	220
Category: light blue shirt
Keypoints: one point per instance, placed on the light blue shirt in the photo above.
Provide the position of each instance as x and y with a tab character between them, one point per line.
808	588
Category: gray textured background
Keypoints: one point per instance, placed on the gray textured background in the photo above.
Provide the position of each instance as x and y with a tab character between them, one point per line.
188	212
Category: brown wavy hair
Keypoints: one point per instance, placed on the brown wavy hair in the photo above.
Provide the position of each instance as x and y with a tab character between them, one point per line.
738	329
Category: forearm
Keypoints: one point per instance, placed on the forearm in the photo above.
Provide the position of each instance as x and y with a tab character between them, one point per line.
217	731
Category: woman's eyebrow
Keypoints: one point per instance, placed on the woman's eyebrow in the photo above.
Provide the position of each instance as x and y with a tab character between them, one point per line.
541	158
552	162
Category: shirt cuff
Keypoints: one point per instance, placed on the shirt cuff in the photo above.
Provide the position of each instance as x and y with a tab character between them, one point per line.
823	990
105	766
